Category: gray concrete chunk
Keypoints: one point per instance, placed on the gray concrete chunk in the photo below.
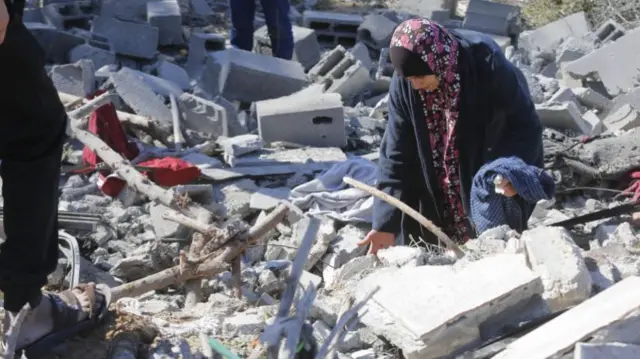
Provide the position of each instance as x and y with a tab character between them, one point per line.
131	38
75	79
165	15
139	96
306	48
606	350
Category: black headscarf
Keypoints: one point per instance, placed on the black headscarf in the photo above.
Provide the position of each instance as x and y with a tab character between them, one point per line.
408	63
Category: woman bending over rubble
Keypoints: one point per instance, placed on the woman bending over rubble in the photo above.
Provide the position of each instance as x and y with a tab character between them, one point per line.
455	104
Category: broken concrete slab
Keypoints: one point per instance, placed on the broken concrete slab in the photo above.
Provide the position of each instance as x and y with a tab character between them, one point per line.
174	73
333	28
268	198
203	115
560	334
448	320
607	350
306	49
249	77
165	15
98	54
617	79
565	116
623	119
138	95
553	254
303	119
548	37
76	79
376	31
119	32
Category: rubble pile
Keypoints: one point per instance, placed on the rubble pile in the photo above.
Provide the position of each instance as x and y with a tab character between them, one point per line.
261	131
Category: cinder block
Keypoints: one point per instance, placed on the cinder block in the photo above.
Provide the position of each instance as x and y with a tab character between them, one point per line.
203	115
341	73
623	119
565	116
138	95
609	308
306	47
306	120
361	52
437	10
553	254
376	31
75	79
492	18
58	42
174	73
99	53
199	45
610	30
592	99
201	8
68	15
130	38
165	15
247	76
333	28
594	122
619	78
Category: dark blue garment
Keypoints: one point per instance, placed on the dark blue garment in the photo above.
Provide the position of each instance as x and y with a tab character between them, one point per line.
276	15
497	119
490	209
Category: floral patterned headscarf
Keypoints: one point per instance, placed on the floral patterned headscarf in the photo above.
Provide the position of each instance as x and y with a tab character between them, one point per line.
438	49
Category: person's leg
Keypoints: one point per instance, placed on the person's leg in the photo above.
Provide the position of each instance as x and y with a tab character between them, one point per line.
276	13
32	134
242	16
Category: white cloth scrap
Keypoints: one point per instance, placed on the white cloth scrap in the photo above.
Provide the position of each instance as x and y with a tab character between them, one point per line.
328	195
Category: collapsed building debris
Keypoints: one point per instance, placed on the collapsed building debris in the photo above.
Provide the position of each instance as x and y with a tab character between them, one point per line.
226	202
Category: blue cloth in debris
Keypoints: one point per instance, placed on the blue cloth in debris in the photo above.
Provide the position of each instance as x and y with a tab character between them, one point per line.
490	209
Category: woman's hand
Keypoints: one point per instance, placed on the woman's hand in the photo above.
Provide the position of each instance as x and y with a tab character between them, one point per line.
504	187
4	21
378	240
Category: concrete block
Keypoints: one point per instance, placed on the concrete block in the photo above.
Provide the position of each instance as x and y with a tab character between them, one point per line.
201	8
594	121
436	10
234	127
333	28
361	52
623	119
311	121
553	254
98	53
58	42
165	15
608	308
125	10
606	350
445	320
619	78
306	48
246	76
165	228
75	79
610	30
548	37
341	72
241	145
563	116
65	16
592	99
119	32
267	199
138	95
492	18
33	14
203	115
199	45
376	31
174	73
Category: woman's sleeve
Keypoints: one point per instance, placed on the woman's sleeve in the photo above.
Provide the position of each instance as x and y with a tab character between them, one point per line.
523	131
398	153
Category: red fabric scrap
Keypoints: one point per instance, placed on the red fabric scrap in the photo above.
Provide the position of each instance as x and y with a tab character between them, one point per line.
170	171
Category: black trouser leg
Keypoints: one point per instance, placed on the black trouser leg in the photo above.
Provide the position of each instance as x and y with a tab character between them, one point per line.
32	132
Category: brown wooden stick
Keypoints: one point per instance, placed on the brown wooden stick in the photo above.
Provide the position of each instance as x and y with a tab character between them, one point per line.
176	275
186	221
409	211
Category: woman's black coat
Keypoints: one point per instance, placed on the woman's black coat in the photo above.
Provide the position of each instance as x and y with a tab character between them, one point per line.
497	119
